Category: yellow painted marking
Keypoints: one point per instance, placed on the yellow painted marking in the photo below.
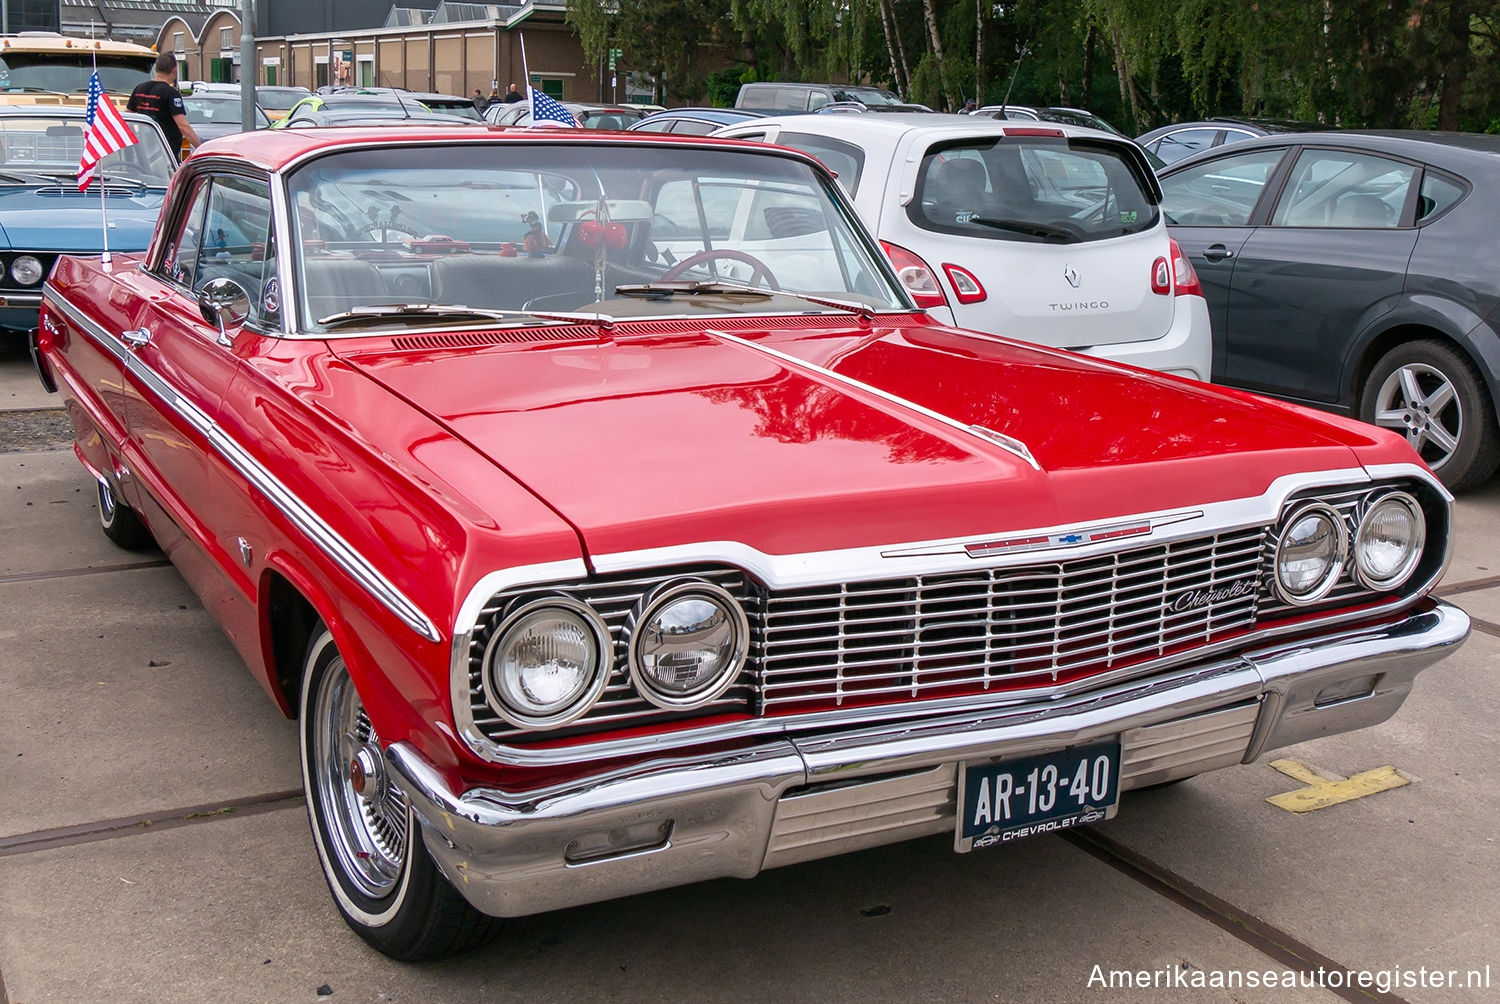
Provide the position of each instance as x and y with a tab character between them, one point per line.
1325	789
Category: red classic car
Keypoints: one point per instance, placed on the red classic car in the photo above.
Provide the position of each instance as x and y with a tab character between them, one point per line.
611	519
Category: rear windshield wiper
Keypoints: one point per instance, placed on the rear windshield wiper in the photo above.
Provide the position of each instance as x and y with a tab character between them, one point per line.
435	313
1042	230
667	290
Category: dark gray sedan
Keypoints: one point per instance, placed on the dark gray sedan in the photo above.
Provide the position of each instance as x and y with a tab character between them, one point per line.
1356	272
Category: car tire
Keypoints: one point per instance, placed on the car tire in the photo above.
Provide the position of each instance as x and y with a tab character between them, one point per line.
119	522
1436	397
383	881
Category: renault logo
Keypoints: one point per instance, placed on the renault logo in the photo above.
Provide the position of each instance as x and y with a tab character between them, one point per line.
1071	274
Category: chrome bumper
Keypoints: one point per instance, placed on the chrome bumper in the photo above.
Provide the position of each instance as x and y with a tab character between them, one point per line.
679	820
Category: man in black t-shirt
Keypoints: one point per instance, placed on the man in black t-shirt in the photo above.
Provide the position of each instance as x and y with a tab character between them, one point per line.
160	99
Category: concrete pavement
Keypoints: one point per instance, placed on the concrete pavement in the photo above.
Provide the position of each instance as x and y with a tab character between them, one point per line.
123	703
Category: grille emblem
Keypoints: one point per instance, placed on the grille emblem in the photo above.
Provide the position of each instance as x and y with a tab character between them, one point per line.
1071	274
1196	599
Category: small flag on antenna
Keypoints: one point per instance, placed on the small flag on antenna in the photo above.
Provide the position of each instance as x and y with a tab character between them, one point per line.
544	109
107	132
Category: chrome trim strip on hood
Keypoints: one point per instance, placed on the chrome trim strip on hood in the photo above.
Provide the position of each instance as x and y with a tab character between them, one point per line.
287	502
987	436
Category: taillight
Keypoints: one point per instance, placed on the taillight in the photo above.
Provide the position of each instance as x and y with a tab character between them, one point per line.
914	274
1184	276
965	286
1161	277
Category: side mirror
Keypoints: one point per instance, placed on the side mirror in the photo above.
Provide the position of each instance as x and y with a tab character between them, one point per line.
225	303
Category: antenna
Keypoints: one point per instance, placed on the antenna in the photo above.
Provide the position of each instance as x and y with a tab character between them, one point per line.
1025	48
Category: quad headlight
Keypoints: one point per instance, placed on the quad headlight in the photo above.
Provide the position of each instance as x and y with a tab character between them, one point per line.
1388	544
27	270
688	642
1311	553
547	663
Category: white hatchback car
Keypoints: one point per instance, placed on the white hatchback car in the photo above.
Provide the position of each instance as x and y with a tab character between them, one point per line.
1040	231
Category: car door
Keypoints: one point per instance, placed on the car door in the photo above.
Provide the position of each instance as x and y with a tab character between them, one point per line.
185	368
1211	210
1331	259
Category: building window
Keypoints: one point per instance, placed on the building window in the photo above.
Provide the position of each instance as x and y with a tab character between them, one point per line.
226	38
177	41
550	86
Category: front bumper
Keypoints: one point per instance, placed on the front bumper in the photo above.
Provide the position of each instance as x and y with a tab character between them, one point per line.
796	798
18	311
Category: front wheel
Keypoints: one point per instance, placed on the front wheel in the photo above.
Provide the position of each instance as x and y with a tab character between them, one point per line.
382	879
1436	398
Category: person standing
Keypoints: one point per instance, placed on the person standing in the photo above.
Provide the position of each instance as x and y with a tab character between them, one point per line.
159	99
480	104
513	95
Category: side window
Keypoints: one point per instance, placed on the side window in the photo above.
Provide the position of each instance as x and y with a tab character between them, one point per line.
789	99
1437	194
664	125
1343	188
236	244
1177	145
844	159
1220	193
180	257
816	100
676	211
692	127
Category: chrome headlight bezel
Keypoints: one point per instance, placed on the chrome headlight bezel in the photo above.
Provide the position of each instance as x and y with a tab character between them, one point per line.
17	264
650	606
1335	570
578	704
1409	564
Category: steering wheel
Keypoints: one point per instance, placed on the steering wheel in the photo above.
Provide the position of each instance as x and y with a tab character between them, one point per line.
758	267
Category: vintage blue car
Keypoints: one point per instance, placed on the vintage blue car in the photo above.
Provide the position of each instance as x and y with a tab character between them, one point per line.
42	212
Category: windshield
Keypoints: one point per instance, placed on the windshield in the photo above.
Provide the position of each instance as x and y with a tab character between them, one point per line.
460	107
68	73
1032	189
215	110
576	227
277	99
43	145
866	96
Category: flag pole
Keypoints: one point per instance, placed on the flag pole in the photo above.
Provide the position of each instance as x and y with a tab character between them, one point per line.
526	73
105	261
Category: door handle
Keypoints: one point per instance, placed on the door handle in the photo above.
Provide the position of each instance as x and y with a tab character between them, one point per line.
136	337
1217	252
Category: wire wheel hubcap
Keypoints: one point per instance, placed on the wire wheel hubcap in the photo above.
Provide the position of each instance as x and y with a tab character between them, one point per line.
366	815
1420	402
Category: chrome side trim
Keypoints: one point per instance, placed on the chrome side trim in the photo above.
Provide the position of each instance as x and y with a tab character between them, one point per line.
989	437
354	564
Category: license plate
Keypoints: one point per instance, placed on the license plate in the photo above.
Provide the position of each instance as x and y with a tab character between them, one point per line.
1005	801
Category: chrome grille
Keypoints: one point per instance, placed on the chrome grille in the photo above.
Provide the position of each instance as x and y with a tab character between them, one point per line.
926	634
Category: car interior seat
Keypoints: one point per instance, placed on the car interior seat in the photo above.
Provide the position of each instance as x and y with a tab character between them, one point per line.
335	284
955	187
1368	211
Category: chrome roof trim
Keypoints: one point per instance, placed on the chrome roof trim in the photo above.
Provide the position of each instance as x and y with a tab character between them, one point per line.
1009	444
287	502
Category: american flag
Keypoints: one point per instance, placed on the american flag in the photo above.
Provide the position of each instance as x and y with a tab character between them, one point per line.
544	109
107	132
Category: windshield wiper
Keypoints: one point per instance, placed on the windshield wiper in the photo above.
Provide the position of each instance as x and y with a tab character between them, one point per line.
1042	230
433	312
667	290
125	179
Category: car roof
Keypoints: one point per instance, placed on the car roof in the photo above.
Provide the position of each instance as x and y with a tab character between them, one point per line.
898	123
1475	150
275	149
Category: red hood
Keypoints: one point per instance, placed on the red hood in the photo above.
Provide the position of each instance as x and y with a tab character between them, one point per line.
650	440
